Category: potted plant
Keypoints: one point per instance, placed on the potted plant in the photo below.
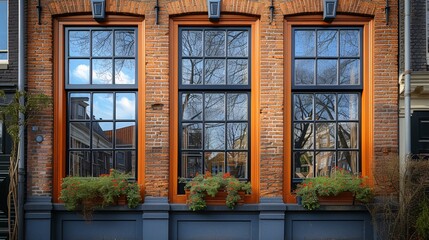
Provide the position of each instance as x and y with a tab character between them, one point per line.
89	193
341	184
204	188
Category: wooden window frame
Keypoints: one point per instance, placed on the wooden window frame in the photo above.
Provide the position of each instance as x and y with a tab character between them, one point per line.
60	96
367	109
225	21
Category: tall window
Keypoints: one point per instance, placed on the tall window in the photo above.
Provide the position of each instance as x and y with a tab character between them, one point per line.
326	100
101	88
3	30
214	101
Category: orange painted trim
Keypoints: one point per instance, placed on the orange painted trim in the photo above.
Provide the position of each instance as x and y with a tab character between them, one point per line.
225	21
60	99
367	101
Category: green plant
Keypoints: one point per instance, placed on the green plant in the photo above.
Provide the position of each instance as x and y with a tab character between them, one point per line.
340	181
422	226
209	185
89	193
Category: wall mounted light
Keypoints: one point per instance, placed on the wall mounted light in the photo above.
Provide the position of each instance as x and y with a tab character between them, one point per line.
329	9
213	7
98	8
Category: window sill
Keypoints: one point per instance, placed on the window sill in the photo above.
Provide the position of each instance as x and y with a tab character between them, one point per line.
4	64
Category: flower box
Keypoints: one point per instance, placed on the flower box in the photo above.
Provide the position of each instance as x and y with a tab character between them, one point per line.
220	198
343	198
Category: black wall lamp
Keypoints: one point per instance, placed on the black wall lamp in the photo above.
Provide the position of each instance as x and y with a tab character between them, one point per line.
329	9
98	8
213	7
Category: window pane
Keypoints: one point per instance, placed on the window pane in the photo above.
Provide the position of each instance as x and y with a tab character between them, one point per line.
125	135
214	136
325	106
79	135
102	163
192	71
192	136
80	163
103	106
126	162
237	72
349	40
214	162
192	43
102	43
80	107
237	136
303	106
327	72
214	107
102	135
303	164
124	43
349	72
304	43
215	71
238	43
78	71
237	105
3	56
102	71
214	43
79	43
327	43
325	163
348	106
325	135
348	135
3	27
304	72
125	106
192	106
192	164
237	164
125	71
348	160
303	136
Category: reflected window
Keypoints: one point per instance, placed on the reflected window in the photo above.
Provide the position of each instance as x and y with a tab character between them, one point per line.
214	100
102	100
4	30
326	98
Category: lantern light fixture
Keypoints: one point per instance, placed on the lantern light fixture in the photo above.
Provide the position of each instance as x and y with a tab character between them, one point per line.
98	8
213	7
329	9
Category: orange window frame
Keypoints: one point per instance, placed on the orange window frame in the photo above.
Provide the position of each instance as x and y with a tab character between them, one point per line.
225	21
367	109
60	102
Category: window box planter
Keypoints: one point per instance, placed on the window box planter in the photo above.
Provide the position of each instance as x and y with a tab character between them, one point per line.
342	198
220	198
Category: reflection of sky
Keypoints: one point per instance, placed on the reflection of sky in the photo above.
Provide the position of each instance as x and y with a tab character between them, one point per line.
125	106
79	71
103	106
3	25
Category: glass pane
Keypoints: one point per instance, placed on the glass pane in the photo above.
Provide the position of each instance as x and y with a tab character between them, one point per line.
192	106
303	164
237	72
237	105
3	25
214	162
3	56
215	71
78	43
125	135
192	43
192	164
192	71
348	135
124	43
102	135
303	106
325	163
305	43
325	106
103	106
80	107
102	163
349	43
348	160
214	136
327	72
349	72
102	43
237	164
214	43
303	136
125	106
348	107
125	71
237	137
126	162
78	71
102	71
304	72
238	43
327	43
214	106
325	135
80	164
192	136
79	135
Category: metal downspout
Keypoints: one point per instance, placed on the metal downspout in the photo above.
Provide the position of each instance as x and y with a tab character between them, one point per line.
21	87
